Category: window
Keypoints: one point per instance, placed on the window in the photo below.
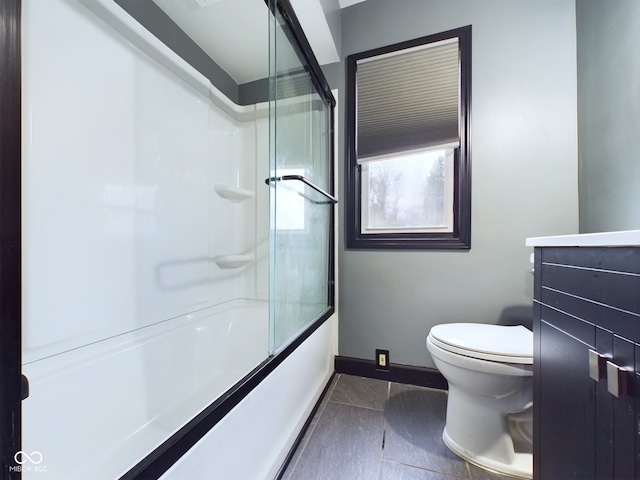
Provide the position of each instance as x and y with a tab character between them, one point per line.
408	163
408	193
291	214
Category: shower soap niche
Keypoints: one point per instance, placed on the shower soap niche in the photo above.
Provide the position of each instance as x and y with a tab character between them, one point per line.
234	194
232	261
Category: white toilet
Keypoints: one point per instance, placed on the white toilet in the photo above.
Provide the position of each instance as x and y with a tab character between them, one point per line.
489	406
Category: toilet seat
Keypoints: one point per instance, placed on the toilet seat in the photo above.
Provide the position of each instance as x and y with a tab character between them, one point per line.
495	343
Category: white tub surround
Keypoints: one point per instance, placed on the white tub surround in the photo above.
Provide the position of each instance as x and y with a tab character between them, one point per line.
146	288
627	238
121	219
103	407
143	301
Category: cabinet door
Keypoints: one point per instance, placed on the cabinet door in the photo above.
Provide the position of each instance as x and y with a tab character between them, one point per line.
616	409
566	400
587	299
605	435
637	402
624	422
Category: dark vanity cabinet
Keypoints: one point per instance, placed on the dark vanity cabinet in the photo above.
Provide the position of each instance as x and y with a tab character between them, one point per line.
586	363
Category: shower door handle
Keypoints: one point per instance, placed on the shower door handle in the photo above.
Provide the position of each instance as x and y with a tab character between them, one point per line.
330	198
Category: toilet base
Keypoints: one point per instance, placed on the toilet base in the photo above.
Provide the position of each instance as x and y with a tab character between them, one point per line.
520	467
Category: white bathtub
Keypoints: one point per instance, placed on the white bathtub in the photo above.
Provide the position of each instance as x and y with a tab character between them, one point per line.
95	411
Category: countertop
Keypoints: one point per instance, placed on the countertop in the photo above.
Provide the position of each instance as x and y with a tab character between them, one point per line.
604	239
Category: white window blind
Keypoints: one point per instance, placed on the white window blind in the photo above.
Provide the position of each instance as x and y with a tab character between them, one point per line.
408	100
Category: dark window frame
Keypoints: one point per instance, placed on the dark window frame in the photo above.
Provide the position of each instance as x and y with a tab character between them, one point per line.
460	238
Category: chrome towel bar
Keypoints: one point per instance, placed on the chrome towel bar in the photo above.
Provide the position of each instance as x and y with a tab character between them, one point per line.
330	198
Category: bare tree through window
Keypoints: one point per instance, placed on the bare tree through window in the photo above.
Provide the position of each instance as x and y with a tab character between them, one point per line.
407	191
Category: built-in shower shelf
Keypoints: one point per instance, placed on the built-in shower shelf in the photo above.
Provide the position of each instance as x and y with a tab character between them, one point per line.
234	194
233	261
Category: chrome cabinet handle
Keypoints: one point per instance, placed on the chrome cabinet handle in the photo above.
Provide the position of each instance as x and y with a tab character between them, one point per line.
600	367
597	365
616	379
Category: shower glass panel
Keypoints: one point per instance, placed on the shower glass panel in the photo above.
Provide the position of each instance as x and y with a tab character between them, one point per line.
301	205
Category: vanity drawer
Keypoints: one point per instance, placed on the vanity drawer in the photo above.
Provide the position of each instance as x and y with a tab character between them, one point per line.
618	290
599	286
576	327
616	259
569	312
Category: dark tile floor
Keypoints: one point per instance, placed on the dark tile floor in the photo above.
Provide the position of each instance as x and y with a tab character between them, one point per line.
366	429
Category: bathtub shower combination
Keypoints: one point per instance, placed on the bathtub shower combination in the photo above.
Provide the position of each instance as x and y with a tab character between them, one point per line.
175	240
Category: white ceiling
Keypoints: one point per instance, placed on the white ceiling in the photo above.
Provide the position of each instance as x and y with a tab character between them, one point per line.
241	48
233	45
314	24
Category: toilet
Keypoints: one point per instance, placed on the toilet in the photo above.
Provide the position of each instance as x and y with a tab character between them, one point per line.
489	406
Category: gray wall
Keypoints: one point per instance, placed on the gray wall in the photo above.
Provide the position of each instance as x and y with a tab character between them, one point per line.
524	173
608	36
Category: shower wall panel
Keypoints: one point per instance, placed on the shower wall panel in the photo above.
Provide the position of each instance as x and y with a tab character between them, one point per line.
121	159
140	239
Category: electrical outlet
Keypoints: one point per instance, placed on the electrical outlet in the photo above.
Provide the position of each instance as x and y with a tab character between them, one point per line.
382	359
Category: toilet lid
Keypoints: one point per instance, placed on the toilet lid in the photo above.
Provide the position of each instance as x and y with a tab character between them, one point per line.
511	344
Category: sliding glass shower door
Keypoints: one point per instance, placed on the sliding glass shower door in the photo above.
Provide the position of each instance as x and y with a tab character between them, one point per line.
301	193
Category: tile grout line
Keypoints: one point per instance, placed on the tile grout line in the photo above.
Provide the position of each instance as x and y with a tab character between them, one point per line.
384	433
357	406
384	430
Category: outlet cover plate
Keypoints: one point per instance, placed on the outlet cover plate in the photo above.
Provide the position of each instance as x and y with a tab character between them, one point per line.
382	359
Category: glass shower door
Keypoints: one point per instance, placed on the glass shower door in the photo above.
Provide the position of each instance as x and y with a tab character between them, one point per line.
301	200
